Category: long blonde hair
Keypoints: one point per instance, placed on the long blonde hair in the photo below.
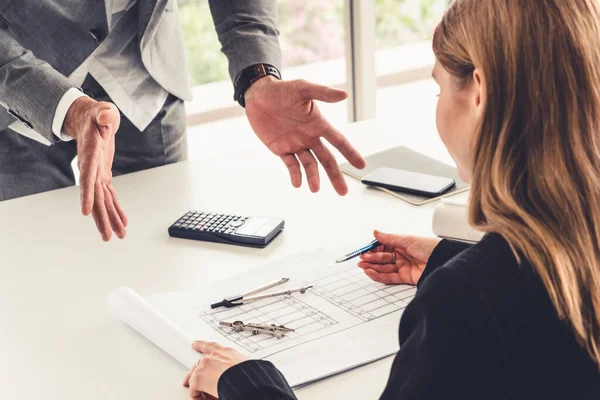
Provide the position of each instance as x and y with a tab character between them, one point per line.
536	172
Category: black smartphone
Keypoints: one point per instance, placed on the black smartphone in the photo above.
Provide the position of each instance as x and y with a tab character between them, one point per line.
409	182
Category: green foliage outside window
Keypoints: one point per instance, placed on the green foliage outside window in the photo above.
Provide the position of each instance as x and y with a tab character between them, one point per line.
405	21
311	31
203	50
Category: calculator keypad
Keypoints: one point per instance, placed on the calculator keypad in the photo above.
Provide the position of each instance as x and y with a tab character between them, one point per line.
210	222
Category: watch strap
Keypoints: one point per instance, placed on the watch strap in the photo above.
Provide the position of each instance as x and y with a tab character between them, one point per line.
250	75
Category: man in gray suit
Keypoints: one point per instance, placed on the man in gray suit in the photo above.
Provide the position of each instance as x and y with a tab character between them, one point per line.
74	72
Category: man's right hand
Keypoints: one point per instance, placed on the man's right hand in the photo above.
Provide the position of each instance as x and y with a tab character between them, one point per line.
399	260
93	125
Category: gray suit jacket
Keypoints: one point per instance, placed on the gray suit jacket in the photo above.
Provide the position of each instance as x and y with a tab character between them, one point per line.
43	41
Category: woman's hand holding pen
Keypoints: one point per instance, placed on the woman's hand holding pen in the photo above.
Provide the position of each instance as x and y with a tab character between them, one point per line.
399	260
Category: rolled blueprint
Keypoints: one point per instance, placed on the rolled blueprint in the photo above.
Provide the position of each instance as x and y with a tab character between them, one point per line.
136	312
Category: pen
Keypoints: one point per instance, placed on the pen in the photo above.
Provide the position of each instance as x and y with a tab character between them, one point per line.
358	252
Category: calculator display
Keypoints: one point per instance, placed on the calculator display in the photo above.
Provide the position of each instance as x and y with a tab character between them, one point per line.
258	226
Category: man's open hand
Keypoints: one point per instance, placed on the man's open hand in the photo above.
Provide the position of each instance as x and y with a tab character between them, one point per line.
93	125
285	117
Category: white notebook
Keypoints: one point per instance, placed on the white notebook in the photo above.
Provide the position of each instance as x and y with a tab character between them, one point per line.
450	220
409	160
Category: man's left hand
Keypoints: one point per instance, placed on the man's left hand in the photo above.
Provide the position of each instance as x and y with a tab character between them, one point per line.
285	117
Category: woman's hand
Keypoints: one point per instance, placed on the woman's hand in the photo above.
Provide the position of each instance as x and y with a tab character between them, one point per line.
400	259
204	376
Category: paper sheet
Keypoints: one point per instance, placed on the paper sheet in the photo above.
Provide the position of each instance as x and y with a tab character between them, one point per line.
345	321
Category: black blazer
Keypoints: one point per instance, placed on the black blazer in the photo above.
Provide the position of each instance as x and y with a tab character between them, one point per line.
480	327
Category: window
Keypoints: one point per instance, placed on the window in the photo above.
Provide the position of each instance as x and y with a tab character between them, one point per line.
403	58
379	50
313	48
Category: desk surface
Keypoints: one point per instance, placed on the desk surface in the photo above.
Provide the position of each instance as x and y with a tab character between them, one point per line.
57	338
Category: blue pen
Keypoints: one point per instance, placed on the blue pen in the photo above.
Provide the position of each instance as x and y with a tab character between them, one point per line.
358	252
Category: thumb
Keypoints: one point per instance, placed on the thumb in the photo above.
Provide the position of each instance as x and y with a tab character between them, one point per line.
312	91
108	118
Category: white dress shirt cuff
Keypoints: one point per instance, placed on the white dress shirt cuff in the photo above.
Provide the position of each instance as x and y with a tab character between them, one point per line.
61	112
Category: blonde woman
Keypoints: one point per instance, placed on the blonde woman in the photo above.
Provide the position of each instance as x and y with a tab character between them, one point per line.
517	315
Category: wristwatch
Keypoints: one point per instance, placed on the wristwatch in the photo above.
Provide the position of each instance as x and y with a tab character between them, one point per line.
250	75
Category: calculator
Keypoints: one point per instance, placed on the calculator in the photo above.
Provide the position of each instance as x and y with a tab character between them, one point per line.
228	229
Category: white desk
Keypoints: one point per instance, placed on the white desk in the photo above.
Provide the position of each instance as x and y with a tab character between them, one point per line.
57	339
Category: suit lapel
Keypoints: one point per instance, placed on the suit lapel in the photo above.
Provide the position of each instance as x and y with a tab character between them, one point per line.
148	9
108	9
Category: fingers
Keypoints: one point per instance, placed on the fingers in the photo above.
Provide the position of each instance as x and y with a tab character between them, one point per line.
312	169
331	167
380	249
88	168
383	268
340	142
393	241
113	215
195	381
186	380
118	207
312	91
196	394
100	214
216	360
108	118
293	167
385	278
378	258
206	347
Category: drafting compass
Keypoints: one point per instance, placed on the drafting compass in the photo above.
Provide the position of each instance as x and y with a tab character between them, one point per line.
277	331
247	297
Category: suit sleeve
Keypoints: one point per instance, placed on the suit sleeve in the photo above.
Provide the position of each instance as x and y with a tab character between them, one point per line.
254	379
450	344
248	32
29	87
442	253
